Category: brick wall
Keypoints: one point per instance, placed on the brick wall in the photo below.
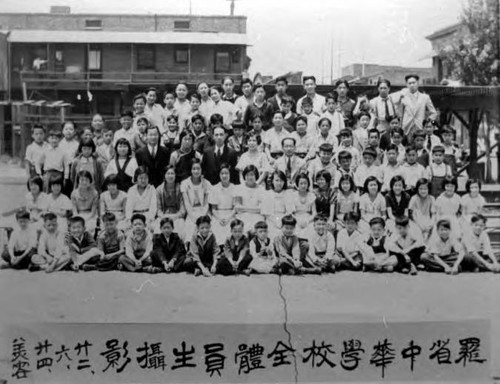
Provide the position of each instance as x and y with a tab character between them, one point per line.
143	23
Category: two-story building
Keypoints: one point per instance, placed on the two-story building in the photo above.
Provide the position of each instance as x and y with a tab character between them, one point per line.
68	56
440	40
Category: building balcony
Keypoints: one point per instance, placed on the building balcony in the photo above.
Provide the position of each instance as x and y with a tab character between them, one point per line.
109	80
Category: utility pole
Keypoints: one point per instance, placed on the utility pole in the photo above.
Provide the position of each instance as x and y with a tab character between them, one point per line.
231	12
331	60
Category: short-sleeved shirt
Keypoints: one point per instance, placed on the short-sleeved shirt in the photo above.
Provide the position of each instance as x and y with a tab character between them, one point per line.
21	240
448	205
125	134
375	208
258	159
478	243
439	247
59	205
345	203
318	103
111	242
51	243
222	197
349	243
412	173
251	197
471	205
424	207
303	204
70	147
363	172
35	206
34	152
273	139
303	144
115	206
388	172
398	207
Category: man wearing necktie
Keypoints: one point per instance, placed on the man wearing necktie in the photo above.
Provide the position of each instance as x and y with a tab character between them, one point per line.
217	155
153	156
290	164
382	108
415	106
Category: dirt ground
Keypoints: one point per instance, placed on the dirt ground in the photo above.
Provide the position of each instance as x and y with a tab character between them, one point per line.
345	296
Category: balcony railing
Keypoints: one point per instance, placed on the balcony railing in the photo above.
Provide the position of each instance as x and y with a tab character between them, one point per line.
51	78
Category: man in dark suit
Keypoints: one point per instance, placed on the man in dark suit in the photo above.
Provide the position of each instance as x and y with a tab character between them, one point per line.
217	155
153	156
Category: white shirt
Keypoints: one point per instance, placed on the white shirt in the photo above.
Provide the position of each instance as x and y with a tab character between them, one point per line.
153	150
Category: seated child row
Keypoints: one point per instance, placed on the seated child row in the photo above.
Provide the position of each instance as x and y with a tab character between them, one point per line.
140	251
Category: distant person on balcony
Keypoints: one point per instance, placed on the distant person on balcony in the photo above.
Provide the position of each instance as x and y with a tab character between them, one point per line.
345	105
153	111
228	87
206	101
169	100
59	65
181	103
281	87
139	106
126	131
224	108
244	100
259	105
382	108
40	64
309	83
415	106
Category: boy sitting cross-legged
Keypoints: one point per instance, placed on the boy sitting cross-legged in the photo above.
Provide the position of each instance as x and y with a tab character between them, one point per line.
53	253
169	252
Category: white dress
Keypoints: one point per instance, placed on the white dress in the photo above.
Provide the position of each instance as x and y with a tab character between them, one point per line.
223	198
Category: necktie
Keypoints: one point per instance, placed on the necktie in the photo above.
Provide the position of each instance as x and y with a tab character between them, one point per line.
429	143
387	113
289	168
153	152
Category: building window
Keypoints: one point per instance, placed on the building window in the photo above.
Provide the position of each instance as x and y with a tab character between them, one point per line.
146	57
182	24
93	24
181	55
94	59
222	62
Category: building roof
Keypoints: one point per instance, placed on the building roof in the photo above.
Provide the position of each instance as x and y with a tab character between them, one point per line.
131	15
41	36
444	31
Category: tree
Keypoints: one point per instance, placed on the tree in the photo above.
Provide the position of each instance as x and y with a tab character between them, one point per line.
473	53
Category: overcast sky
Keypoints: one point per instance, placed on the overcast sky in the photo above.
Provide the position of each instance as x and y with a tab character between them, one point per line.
291	35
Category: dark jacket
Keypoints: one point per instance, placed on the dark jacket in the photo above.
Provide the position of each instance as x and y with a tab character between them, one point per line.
155	166
210	164
171	251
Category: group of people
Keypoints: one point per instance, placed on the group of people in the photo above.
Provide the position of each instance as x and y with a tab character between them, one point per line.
215	183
